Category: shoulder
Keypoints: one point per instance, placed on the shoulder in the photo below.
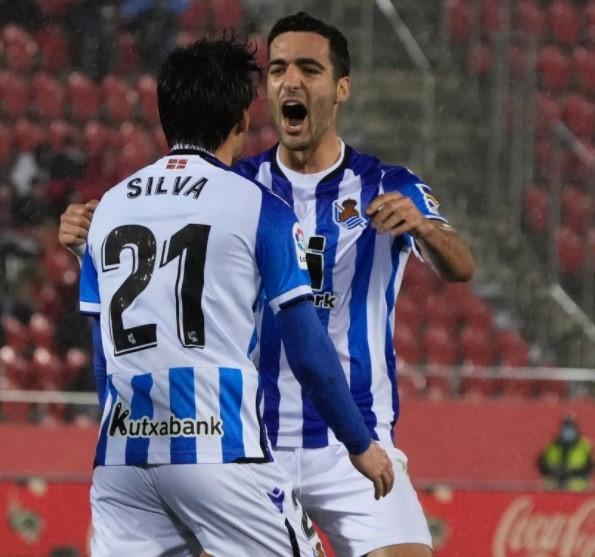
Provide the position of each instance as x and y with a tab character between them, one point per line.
396	177
250	166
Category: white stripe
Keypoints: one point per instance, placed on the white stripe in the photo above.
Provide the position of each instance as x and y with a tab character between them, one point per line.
206	400
159	447
288	296
250	426
90	307
116	445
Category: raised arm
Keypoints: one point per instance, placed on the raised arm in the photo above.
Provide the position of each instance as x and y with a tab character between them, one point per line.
441	245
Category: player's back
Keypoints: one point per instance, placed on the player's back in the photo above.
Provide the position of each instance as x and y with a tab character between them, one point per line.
175	249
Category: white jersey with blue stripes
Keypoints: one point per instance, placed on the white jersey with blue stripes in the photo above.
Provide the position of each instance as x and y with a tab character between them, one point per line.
177	257
356	275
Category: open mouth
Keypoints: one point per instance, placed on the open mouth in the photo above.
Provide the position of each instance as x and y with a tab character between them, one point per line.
294	114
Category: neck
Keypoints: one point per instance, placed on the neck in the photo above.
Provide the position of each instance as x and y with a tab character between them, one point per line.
224	153
315	158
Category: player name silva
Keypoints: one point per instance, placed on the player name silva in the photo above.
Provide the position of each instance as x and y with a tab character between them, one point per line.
174	427
161	185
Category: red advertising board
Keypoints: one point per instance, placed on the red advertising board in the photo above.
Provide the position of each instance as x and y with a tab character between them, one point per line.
35	518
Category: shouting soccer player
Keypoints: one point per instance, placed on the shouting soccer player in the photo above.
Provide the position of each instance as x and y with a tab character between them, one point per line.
177	255
362	219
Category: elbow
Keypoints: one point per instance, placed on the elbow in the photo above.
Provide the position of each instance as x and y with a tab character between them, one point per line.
463	272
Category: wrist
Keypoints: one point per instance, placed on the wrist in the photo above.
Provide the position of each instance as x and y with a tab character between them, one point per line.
424	230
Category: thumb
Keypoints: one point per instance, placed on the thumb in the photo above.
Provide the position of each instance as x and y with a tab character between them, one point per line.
92	204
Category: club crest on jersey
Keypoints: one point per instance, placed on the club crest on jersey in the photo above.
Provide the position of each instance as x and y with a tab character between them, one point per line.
176	164
346	214
299	239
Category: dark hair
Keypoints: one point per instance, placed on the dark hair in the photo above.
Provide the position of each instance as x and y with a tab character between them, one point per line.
203	90
303	21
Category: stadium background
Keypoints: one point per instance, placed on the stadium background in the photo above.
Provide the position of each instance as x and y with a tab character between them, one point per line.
491	101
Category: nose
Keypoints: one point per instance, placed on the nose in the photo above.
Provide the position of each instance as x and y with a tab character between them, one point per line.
292	78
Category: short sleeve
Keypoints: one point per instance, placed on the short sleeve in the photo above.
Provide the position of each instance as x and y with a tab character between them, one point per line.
281	254
89	286
402	180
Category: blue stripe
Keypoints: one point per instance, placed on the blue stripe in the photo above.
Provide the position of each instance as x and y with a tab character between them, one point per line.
270	353
315	430
141	406
230	402
102	442
282	188
389	350
357	335
183	405
253	342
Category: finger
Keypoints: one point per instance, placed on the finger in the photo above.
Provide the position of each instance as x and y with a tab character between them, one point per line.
378	488
380	200
382	215
92	204
83	219
393	221
402	229
77	232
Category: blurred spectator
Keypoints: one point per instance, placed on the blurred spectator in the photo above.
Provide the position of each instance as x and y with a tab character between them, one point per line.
567	462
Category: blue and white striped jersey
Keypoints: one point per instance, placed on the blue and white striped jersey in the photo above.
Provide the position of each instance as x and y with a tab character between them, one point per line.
356	275
177	257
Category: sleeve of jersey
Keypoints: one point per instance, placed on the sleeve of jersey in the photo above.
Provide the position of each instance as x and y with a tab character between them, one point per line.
99	362
316	366
403	181
89	287
281	254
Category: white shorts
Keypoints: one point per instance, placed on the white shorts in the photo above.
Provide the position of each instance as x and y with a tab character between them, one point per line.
341	501
173	510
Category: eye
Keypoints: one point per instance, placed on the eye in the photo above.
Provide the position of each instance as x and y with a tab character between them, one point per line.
275	70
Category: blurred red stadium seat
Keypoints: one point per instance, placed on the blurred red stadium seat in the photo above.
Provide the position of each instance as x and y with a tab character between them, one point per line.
14	332
14	95
15	367
584	69
440	348
419	280
95	138
227	14
119	99
47	369
409	312
555	69
547	111
477	348
492	16
459	20
54	49
147	99
564	22
75	361
84	97
530	18
475	312
570	251
512	349
58	132
195	17
159	141
408	345
259	42
48	96
439	311
41	331
577	210
20	49
480	60
6	149
579	115
27	135
126	53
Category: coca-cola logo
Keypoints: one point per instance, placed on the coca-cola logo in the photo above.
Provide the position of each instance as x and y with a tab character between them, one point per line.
525	532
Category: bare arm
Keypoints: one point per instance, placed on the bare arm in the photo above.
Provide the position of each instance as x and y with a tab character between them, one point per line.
441	245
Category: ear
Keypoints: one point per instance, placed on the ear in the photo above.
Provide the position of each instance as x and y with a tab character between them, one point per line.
244	123
343	89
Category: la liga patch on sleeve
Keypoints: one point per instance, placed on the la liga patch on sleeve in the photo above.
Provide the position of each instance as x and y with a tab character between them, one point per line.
299	239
